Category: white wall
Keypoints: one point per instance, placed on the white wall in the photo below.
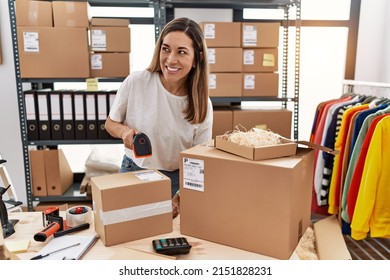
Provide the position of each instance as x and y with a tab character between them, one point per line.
373	63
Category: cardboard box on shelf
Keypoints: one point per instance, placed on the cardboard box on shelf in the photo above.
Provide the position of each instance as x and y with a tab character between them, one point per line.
260	34
71	13
260	60
110	39
224	59
286	148
222	34
276	120
260	84
53	52
34	13
258	206
225	84
110	65
132	205
38	173
222	121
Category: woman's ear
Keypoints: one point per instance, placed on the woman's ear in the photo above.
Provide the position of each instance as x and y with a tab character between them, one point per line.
201	56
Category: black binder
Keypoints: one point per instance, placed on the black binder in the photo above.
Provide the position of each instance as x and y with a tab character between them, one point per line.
43	114
111	98
31	115
102	113
55	115
67	115
79	115
91	115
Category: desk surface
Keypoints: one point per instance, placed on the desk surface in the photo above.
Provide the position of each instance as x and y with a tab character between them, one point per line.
31	223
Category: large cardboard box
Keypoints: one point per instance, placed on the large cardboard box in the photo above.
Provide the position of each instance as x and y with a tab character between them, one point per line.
260	34
110	65
110	39
71	14
53	52
34	13
225	84
258	206
277	120
260	60
224	59
260	84
222	120
132	205
222	34
59	175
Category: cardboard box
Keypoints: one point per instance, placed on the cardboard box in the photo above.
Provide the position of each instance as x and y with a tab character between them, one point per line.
53	52
34	13
110	22
110	65
260	84
224	59
132	205
222	34
284	149
222	121
258	206
71	14
110	39
59	175
38	173
260	60
260	34
276	120
225	84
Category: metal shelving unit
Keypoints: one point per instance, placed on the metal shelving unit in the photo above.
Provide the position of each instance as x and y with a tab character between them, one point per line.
161	16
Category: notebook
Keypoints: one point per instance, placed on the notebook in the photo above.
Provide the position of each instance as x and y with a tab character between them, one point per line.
65	248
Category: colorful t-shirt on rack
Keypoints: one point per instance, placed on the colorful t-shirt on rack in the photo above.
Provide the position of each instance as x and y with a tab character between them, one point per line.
372	206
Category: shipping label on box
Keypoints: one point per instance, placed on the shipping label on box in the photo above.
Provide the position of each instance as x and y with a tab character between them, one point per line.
193	174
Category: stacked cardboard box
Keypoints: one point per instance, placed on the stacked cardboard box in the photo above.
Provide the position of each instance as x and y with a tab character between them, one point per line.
109	47
52	39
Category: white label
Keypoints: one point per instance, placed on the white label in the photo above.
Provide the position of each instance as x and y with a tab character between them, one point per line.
96	62
149	175
209	31
42	108
211	56
249	35
212	81
193	174
67	107
91	110
79	107
98	40
249	81
30	107
55	107
102	106
31	41
249	57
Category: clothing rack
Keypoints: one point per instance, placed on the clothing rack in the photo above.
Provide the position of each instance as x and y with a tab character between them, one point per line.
367	88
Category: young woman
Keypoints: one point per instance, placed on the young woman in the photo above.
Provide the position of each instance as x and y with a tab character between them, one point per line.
168	102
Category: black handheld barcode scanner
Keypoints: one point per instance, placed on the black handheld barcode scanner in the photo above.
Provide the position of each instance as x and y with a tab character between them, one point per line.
141	145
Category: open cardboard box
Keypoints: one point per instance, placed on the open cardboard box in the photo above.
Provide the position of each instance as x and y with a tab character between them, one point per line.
286	148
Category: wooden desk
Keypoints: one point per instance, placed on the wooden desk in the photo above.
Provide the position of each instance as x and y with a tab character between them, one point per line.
31	223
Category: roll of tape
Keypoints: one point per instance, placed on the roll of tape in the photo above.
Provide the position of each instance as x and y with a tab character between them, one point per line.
78	215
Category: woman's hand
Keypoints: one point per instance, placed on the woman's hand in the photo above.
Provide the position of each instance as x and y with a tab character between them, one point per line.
176	205
127	136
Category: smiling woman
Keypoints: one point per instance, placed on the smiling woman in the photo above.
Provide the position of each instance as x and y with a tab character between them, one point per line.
168	101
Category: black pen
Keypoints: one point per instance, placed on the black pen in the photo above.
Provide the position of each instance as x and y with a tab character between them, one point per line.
48	254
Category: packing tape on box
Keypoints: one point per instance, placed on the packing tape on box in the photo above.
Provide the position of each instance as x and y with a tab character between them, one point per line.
78	215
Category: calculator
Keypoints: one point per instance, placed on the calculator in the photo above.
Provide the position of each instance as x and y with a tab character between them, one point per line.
172	246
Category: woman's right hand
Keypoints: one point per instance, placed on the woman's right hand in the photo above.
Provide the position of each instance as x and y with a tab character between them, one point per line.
128	137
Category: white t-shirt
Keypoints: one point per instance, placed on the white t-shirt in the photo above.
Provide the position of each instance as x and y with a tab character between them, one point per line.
143	103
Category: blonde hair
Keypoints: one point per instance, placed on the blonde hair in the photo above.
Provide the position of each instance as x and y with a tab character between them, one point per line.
197	81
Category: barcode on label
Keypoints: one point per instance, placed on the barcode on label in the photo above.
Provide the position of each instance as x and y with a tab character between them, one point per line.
195	185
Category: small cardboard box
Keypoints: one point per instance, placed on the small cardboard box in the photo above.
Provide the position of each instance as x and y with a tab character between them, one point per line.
132	205
222	34
110	39
53	52
258	206
286	148
110	65
260	84
34	13
225	84
260	34
260	60
71	13
224	59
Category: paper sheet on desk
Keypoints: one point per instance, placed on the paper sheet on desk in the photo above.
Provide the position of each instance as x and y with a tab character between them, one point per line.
76	252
